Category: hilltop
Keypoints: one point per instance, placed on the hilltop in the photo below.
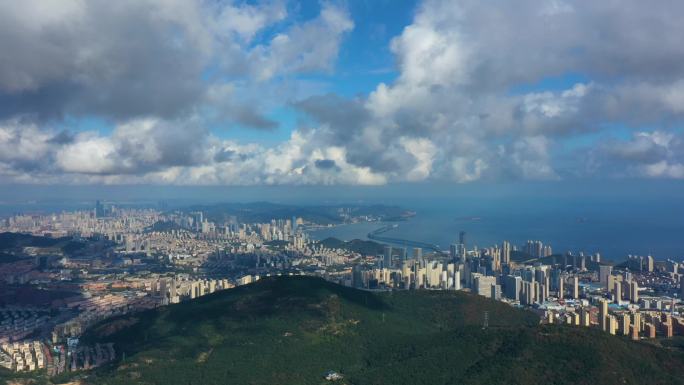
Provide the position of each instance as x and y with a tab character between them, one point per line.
291	330
355	245
12	245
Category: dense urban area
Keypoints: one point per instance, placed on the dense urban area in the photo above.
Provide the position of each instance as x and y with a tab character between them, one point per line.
64	272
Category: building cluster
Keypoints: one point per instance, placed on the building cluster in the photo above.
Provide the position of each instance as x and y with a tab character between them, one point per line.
33	355
18	322
89	311
639	298
140	259
182	287
113	223
25	356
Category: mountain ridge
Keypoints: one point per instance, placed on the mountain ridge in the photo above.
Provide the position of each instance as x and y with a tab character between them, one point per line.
292	330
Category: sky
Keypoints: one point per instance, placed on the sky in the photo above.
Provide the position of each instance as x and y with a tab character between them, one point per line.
340	93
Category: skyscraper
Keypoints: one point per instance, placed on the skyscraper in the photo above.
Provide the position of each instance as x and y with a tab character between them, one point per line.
506	252
99	209
357	277
618	291
575	287
453	251
512	287
650	264
634	291
457	280
387	260
603	314
604	272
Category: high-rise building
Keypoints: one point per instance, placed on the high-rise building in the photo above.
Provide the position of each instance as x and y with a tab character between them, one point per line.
586	317
612	324
575	287
634	291
506	253
173	296
496	292
483	285
543	291
163	290
604	272
537	294
624	324
357	277
387	260
618	291
99	209
527	294
457	280
453	251
649	264
462	245
603	314
512	287
417	253
636	321
535	248
681	287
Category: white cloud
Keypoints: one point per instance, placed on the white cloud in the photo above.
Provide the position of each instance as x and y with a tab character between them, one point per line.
88	155
309	47
165	70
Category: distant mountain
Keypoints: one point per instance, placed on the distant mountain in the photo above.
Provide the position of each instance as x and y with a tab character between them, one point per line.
260	212
293	330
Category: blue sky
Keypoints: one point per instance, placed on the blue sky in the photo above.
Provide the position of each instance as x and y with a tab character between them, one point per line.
285	92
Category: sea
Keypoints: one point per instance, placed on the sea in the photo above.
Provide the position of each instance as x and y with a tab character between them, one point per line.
612	217
613	227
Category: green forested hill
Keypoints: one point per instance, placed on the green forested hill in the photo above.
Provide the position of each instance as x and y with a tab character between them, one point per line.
290	330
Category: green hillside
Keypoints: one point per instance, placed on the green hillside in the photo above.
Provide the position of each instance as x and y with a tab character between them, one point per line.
291	330
355	245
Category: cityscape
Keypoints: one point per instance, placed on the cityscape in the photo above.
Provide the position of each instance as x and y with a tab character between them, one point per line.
82	267
347	192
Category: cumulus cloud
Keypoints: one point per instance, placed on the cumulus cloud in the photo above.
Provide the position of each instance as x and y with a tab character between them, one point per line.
471	99
655	154
129	59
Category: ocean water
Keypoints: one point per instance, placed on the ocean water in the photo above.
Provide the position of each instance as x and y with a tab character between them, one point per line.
613	227
613	217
